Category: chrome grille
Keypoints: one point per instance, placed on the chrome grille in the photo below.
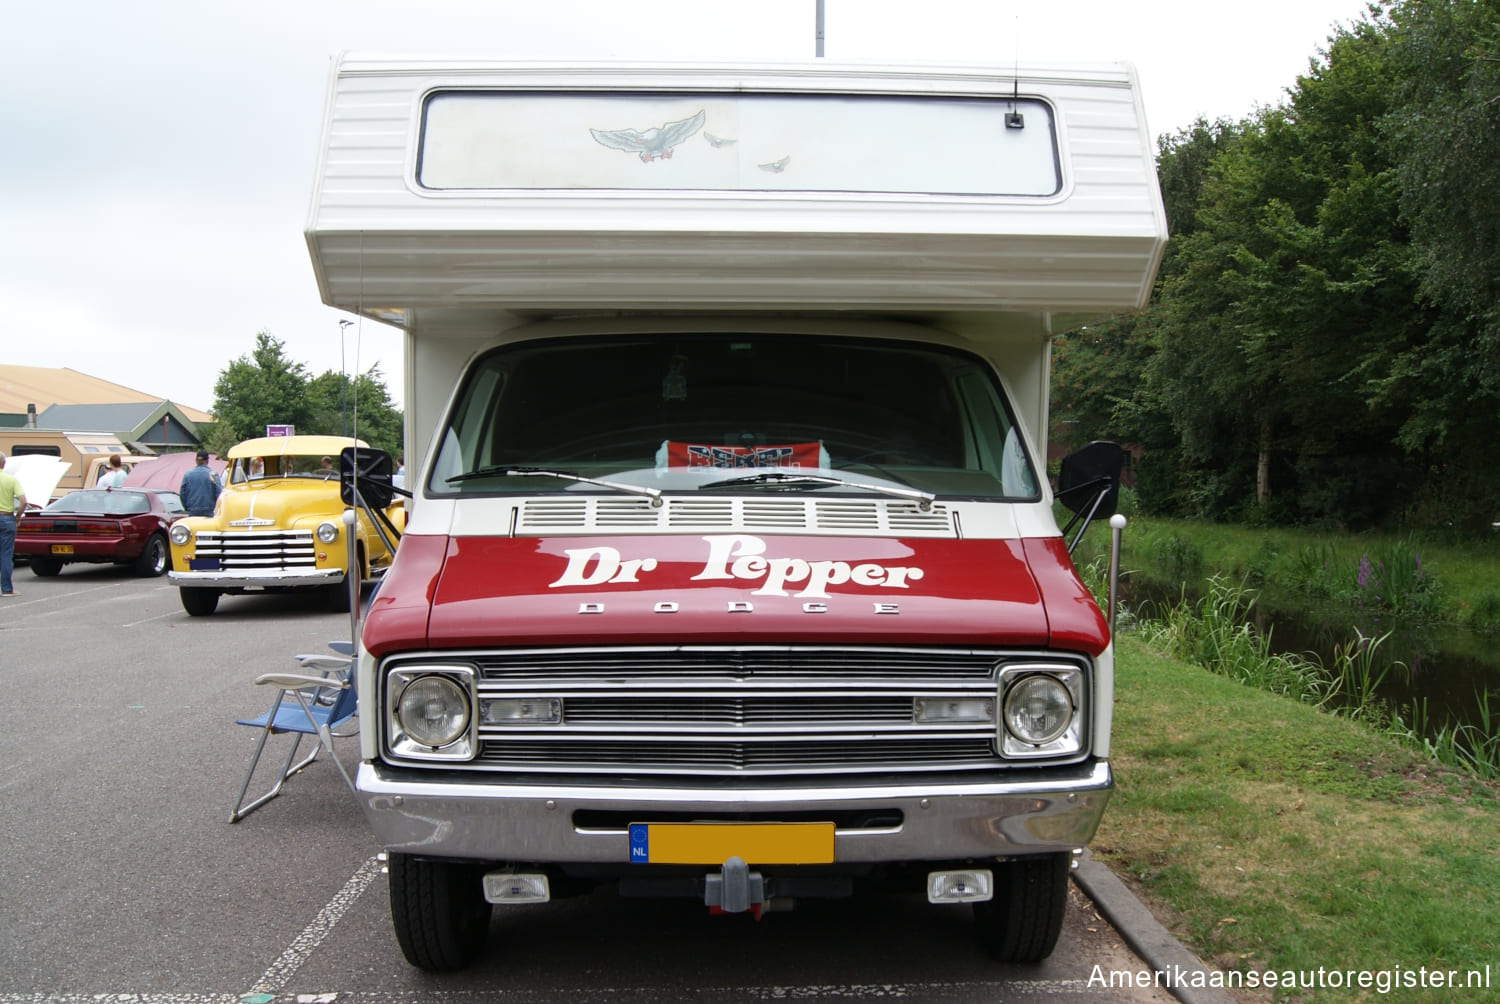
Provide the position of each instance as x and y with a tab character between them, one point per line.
736	711
258	549
707	662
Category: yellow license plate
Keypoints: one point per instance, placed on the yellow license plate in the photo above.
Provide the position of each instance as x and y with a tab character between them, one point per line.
715	843
62	548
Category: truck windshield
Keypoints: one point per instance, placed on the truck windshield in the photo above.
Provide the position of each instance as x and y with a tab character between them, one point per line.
691	412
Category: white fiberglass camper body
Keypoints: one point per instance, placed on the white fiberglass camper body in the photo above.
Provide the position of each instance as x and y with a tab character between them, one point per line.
726	387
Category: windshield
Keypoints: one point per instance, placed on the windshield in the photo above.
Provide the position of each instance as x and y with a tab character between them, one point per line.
291	466
692	412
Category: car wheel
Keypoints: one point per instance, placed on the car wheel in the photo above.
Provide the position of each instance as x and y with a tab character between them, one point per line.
45	567
441	917
1023	921
197	601
153	560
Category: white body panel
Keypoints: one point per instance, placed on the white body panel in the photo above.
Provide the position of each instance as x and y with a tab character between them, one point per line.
456	267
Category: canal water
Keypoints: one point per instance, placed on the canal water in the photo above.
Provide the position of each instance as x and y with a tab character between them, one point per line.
1448	668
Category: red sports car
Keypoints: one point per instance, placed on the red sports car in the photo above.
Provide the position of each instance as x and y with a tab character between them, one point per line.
121	525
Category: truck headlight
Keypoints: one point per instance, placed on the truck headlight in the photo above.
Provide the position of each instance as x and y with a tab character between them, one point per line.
180	534
430	712
1038	709
1043	710
328	532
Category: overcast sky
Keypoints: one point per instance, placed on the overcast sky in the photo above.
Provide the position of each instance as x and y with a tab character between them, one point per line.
156	156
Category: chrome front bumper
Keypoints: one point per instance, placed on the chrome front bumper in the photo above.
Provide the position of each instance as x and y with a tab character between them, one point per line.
257	579
461	818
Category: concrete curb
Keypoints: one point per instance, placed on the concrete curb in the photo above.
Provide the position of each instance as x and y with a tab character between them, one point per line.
1163	954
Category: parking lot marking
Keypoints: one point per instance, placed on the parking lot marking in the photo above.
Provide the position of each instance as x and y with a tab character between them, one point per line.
301	948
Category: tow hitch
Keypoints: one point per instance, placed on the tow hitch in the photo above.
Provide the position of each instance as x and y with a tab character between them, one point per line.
736	889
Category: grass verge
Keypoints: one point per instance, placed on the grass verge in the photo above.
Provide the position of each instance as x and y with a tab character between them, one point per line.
1277	837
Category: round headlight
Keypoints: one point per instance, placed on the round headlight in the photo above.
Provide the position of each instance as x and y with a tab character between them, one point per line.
434	711
1038	709
328	532
180	534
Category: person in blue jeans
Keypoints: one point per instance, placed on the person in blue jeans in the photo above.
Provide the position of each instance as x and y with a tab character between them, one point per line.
12	504
199	489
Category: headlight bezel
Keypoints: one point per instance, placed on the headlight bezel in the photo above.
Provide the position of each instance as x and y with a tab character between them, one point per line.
327	532
401	742
180	534
1073	737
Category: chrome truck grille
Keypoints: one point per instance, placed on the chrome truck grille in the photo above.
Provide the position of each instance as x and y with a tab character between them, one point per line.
270	549
737	712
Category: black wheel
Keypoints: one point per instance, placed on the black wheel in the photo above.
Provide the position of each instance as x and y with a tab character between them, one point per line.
441	917
153	560
197	601
1023	921
45	567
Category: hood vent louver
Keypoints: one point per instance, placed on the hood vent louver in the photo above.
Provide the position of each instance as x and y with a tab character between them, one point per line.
874	518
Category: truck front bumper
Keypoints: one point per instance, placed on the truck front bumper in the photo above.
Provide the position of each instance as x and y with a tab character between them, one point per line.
257	579
1054	810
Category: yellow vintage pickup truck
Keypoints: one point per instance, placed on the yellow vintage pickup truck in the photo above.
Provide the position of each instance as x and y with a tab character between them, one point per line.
278	526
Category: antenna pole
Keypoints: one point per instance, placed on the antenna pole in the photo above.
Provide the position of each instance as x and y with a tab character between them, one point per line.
818	30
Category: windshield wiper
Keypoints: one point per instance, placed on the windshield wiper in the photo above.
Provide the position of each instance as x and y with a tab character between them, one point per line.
923	499
503	471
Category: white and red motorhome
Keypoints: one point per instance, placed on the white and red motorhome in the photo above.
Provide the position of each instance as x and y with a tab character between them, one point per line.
732	570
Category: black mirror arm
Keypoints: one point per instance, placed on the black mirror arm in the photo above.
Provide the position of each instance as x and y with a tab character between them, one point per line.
384	528
1100	487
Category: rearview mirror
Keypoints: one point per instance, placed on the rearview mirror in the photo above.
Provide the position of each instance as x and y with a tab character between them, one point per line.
1089	480
373	469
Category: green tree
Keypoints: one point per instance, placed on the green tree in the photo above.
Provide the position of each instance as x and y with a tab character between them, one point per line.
263	388
267	388
1445	129
363	410
1294	289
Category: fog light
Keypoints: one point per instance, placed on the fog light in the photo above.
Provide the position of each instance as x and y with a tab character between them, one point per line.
520	711
513	888
974	886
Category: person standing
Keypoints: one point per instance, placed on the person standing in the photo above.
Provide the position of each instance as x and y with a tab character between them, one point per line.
12	504
115	476
199	489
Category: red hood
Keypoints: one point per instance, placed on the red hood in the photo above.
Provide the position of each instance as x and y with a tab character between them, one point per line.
730	588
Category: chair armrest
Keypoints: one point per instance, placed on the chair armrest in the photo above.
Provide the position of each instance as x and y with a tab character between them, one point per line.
323	661
299	681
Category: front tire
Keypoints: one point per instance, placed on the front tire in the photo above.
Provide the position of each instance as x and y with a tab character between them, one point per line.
197	601
441	917
153	560
1023	921
45	567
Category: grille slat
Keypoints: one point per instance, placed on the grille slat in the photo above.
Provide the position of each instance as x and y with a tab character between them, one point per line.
260	550
736	664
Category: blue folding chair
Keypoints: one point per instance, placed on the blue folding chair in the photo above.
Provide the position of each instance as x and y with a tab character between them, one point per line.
305	705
